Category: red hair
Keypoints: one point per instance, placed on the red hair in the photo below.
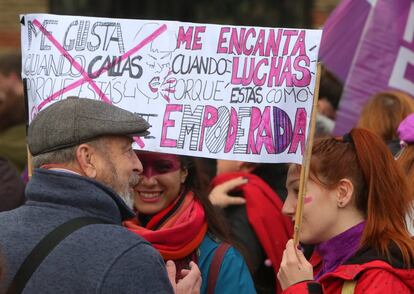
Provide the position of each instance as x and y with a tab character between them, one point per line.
406	161
384	112
380	189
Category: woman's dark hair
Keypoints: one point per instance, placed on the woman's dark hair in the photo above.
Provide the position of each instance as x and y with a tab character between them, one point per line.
217	225
274	174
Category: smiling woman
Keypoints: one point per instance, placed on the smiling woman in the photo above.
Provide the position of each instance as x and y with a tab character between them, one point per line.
176	217
160	183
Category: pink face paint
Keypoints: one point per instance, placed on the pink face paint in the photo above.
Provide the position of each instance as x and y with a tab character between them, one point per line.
158	163
307	199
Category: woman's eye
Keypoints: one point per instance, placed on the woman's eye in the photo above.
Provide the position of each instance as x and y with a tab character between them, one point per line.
295	191
163	167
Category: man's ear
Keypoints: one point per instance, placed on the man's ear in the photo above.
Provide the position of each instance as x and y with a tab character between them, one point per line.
85	156
345	190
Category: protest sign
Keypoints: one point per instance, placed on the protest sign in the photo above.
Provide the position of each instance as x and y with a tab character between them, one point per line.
214	91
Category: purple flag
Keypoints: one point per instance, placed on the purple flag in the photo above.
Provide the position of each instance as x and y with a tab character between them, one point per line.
379	55
341	35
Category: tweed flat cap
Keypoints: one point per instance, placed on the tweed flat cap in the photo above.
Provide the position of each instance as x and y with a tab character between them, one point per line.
78	120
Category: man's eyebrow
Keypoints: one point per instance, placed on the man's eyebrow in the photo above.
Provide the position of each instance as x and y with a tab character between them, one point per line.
153	57
128	144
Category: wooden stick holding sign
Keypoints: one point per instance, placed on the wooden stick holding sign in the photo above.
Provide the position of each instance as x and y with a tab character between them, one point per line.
304	171
29	155
29	163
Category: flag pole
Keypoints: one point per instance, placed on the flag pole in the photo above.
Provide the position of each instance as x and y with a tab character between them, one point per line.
304	171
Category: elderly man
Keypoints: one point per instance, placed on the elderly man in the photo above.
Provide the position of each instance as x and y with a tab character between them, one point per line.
68	237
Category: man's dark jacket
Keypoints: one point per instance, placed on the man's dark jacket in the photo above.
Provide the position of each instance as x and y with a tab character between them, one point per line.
99	258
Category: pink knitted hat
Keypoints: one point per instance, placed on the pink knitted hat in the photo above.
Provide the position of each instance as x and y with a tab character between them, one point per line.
406	129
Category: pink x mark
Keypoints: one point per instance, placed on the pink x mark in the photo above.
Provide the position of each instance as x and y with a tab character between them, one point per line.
97	73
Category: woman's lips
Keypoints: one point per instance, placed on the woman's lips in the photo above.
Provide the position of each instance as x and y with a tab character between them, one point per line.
149	197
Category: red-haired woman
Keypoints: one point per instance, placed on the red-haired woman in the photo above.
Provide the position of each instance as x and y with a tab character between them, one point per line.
354	212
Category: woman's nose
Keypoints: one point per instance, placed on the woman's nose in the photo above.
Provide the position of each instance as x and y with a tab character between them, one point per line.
147	176
289	207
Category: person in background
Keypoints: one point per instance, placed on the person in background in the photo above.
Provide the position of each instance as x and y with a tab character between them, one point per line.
85	168
251	195
2	269
330	91
12	111
383	113
405	158
12	132
354	211
176	217
11	186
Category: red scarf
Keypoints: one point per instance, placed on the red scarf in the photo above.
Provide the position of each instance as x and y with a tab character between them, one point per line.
176	231
264	212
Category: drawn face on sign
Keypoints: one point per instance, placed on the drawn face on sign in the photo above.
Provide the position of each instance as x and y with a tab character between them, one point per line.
156	79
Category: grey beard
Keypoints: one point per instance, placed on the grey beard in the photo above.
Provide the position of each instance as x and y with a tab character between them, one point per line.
128	194
111	179
127	198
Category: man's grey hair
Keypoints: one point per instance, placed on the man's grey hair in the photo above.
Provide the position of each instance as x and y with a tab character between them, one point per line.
66	155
